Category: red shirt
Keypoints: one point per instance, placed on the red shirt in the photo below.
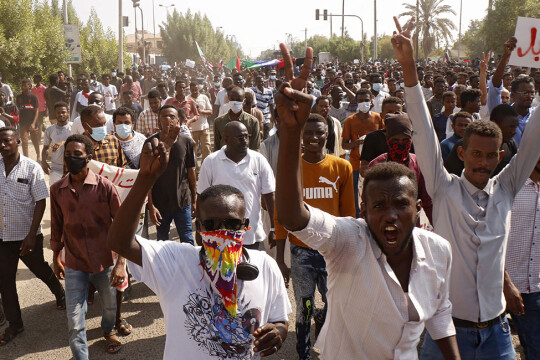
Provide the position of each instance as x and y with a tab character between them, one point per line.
39	92
189	105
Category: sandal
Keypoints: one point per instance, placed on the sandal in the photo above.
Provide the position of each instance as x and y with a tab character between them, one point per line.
113	344
124	328
61	302
10	334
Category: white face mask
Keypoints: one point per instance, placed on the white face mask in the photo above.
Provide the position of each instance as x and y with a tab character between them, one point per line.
377	86
236	106
364	106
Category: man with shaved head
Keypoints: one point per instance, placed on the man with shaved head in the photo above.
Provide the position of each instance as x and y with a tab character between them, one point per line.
237	165
236	113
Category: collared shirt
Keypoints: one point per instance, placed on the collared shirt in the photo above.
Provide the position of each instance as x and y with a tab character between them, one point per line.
378	100
476	228
189	106
39	92
109	151
135	88
203	103
251	123
252	175
53	135
147	123
265	98
523	251
19	191
81	220
378	326
439	122
447	145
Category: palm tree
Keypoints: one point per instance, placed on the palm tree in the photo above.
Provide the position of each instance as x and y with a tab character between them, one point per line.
433	28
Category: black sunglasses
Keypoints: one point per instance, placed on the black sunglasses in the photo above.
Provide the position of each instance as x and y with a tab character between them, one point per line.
218	224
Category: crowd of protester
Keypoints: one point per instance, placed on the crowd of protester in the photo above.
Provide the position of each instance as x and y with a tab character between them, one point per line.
406	193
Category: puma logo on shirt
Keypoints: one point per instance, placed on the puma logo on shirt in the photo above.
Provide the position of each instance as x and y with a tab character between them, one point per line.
321	192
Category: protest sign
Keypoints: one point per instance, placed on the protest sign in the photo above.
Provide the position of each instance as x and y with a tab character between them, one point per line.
527	52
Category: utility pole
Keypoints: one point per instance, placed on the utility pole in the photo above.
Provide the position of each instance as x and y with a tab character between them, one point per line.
120	38
417	29
154	22
305	38
375	30
66	22
331	33
136	36
143	44
342	18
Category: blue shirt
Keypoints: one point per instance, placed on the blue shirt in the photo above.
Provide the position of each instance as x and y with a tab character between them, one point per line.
439	123
447	145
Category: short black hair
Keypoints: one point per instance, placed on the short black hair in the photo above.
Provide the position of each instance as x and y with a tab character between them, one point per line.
389	170
61	104
390	100
180	111
483	128
90	111
321	98
374	75
122	111
521	79
53	79
314	117
448	94
461	114
11	128
502	111
154	94
439	80
363	92
469	95
88	145
220	190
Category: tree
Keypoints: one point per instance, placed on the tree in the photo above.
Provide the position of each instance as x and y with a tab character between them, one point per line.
500	21
181	31
31	40
473	40
385	50
432	27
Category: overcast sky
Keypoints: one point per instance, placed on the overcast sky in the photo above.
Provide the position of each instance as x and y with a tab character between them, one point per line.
260	25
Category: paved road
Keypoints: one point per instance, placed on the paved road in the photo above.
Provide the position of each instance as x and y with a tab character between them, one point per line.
45	335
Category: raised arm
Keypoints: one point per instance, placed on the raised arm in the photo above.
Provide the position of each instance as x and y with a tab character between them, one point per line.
483	78
424	136
495	84
154	160
293	107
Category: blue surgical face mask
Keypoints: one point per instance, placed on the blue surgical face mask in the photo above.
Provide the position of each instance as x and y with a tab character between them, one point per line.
272	77
113	74
402	85
217	84
123	130
377	86
99	133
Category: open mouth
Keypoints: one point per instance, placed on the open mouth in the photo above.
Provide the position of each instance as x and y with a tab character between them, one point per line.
391	235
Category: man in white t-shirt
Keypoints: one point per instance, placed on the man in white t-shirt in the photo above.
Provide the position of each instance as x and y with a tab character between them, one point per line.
222	100
199	129
54	137
201	321
237	165
110	93
95	99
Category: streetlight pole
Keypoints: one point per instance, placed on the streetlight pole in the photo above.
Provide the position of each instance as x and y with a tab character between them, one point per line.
459	38
167	7
143	44
154	22
120	38
342	18
417	28
361	22
375	30
66	22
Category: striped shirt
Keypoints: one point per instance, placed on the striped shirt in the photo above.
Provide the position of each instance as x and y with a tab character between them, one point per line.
265	98
523	249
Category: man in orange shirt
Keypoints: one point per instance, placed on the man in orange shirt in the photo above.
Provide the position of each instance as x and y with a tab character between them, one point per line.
356	126
327	183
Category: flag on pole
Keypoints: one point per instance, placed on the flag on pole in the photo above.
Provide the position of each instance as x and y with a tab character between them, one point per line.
203	58
238	63
446	57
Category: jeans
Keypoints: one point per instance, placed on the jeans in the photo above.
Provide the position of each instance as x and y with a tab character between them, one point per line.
9	260
491	343
76	306
528	326
356	175
308	269
182	221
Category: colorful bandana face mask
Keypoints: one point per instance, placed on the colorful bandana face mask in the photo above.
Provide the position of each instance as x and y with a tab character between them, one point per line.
399	151
223	249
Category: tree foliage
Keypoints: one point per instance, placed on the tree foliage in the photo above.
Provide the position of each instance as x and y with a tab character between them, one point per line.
472	40
31	40
180	32
433	28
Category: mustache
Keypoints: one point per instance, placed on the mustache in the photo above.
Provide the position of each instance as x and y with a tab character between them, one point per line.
482	170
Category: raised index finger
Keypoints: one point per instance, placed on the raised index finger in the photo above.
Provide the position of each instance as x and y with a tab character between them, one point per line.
287	62
398	26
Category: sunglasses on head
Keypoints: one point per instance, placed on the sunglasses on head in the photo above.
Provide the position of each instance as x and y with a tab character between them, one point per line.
227	224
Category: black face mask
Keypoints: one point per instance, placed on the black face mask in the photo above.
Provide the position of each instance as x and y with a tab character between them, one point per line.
75	164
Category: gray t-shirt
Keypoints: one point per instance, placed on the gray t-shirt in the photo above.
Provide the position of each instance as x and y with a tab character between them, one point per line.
55	134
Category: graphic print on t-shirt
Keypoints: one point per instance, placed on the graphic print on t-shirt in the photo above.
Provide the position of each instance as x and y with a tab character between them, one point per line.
215	331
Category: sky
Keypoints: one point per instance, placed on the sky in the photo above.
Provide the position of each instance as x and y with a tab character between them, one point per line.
259	25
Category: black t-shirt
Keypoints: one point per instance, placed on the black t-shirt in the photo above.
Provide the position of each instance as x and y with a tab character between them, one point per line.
454	165
28	105
171	190
375	145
